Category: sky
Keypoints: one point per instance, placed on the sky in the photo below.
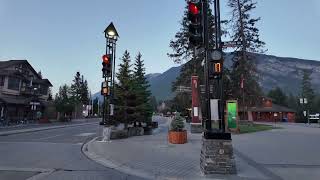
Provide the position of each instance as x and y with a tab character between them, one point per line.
61	37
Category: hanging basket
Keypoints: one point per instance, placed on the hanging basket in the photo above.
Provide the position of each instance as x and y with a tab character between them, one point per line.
177	137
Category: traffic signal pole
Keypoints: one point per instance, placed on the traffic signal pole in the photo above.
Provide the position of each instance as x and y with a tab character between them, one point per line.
206	69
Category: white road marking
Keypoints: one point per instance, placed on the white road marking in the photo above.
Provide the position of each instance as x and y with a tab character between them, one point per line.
49	137
85	134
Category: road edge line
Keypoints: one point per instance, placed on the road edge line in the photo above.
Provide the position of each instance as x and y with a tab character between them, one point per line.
113	165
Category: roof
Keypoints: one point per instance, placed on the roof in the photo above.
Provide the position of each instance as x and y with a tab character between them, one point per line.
274	108
5	64
43	81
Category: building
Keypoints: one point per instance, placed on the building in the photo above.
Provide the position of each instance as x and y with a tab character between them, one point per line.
23	92
270	112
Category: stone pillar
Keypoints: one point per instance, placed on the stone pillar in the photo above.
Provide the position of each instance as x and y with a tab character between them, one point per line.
217	157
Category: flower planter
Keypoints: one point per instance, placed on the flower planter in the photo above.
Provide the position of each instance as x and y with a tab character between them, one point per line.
177	137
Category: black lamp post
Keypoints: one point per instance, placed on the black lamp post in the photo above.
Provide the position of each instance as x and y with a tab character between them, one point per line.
111	35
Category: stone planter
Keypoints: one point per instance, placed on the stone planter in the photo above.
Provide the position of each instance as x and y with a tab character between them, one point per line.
177	137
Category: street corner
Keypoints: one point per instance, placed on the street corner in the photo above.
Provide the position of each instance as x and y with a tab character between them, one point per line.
95	150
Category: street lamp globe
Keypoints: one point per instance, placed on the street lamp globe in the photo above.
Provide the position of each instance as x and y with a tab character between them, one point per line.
111	32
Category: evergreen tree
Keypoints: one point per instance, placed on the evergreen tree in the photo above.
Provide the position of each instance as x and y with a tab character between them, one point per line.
125	93
76	88
292	102
84	97
244	30
79	89
141	87
182	49
307	90
278	96
63	101
154	103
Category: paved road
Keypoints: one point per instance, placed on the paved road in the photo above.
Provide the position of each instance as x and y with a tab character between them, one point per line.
52	154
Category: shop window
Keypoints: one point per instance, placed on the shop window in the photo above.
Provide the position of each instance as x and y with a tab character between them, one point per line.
14	83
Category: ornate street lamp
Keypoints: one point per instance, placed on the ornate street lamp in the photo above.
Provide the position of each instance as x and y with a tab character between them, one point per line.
111	35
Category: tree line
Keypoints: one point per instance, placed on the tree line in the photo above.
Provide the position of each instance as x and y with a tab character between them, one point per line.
133	102
279	96
70	98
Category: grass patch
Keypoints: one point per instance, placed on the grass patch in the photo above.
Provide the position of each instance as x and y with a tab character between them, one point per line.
250	128
244	128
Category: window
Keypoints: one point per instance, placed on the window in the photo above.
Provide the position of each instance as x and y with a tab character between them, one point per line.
2	80
44	90
14	83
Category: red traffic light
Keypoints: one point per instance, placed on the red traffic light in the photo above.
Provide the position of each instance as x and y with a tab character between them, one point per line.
194	9
106	59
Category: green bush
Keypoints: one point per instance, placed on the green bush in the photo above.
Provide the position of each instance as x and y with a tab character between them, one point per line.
177	123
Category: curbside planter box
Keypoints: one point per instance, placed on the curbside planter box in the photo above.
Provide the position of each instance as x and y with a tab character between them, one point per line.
118	134
177	137
135	131
147	130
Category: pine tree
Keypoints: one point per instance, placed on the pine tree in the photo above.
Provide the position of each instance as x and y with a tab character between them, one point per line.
63	101
141	86
76	88
84	97
244	30
307	90
124	92
79	89
182	49
278	96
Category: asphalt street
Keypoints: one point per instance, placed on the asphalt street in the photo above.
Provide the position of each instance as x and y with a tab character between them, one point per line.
51	155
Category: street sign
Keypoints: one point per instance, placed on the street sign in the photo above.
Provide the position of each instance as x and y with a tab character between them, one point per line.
214	109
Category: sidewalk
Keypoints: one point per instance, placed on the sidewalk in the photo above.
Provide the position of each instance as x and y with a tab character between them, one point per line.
152	157
24	128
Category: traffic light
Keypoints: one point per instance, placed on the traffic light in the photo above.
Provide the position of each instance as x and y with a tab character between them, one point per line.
216	64
195	22
106	65
105	90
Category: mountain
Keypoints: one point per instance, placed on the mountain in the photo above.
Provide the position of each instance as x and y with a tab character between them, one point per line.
160	84
273	71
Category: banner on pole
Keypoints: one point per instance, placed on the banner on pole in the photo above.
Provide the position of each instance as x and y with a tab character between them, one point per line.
232	115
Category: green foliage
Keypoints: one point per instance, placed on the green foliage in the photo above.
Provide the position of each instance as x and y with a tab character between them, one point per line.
307	90
125	110
177	123
182	50
244	30
278	96
79	89
141	87
254	128
63	101
154	103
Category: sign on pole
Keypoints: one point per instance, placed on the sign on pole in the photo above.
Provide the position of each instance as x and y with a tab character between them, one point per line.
214	108
232	115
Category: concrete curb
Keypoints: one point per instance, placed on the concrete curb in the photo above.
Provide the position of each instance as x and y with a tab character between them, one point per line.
20	131
113	165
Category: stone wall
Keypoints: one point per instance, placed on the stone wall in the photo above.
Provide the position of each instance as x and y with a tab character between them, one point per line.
217	157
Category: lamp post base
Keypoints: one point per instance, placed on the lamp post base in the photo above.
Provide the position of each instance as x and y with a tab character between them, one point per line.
217	154
196	128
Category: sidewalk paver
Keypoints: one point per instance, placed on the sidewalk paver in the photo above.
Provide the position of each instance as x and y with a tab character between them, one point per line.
154	158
